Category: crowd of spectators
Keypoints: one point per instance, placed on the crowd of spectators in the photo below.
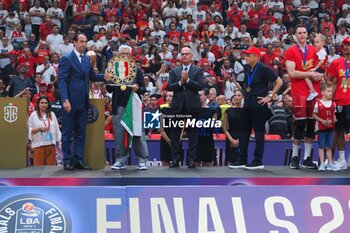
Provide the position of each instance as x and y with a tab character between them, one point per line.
34	35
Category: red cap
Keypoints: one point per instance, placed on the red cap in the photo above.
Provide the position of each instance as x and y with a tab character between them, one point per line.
252	50
346	40
43	84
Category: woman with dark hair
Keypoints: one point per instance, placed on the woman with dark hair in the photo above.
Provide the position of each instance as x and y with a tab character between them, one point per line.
143	38
152	51
230	126
44	133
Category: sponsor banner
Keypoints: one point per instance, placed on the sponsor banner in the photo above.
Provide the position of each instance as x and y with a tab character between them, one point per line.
191	209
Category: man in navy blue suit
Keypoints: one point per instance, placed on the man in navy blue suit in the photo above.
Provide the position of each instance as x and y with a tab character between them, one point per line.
74	72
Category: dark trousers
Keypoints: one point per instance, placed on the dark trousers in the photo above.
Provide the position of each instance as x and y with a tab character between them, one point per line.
253	116
192	134
75	121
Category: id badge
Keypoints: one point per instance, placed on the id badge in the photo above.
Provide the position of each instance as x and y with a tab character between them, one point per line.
48	137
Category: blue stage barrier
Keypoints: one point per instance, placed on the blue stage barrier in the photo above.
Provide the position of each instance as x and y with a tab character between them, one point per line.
276	153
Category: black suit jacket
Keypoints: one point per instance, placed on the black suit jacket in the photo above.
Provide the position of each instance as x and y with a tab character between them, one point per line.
186	98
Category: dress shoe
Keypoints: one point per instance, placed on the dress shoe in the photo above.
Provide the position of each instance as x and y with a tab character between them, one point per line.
173	164
191	164
68	167
82	166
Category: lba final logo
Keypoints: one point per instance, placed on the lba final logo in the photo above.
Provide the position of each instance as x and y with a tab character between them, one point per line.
33	213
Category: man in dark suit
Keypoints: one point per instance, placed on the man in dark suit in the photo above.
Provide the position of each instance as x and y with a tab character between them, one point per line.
185	81
75	71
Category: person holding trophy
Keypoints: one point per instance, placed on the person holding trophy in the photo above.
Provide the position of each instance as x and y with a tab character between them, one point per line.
75	71
127	82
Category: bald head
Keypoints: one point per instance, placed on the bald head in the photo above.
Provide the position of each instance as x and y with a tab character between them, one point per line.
221	99
186	56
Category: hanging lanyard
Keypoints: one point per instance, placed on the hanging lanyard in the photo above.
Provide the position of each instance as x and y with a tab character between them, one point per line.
251	75
48	123
346	69
303	55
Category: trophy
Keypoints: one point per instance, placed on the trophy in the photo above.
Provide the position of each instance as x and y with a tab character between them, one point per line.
122	69
93	61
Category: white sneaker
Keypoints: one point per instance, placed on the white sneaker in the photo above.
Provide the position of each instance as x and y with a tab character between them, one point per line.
322	167
312	95
142	166
342	164
118	166
333	167
336	167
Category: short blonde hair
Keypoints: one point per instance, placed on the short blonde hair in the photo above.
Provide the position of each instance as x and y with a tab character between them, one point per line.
321	37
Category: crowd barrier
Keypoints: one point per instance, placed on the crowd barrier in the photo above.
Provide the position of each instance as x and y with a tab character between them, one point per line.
277	151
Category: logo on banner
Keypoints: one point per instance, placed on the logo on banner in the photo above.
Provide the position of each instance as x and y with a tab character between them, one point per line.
152	120
92	114
10	112
32	213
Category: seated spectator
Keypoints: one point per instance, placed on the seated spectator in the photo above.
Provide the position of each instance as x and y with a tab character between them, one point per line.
5	49
17	37
56	14
278	123
66	46
54	39
20	81
41	51
149	85
3	92
43	92
48	73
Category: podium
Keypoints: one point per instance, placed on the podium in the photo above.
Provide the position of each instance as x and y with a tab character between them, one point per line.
94	152
14	132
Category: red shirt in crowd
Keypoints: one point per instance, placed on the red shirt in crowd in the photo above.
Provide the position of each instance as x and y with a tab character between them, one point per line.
174	35
253	21
109	12
62	4
45	29
236	17
31	62
268	59
7	4
217	51
141	25
41	54
24	3
80	8
47	94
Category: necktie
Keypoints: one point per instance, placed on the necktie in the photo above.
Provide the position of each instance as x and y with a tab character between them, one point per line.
186	68
82	57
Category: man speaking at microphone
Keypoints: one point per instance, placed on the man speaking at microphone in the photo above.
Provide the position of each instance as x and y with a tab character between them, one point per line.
185	81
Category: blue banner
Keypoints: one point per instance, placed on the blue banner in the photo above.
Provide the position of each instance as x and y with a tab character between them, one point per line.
170	209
